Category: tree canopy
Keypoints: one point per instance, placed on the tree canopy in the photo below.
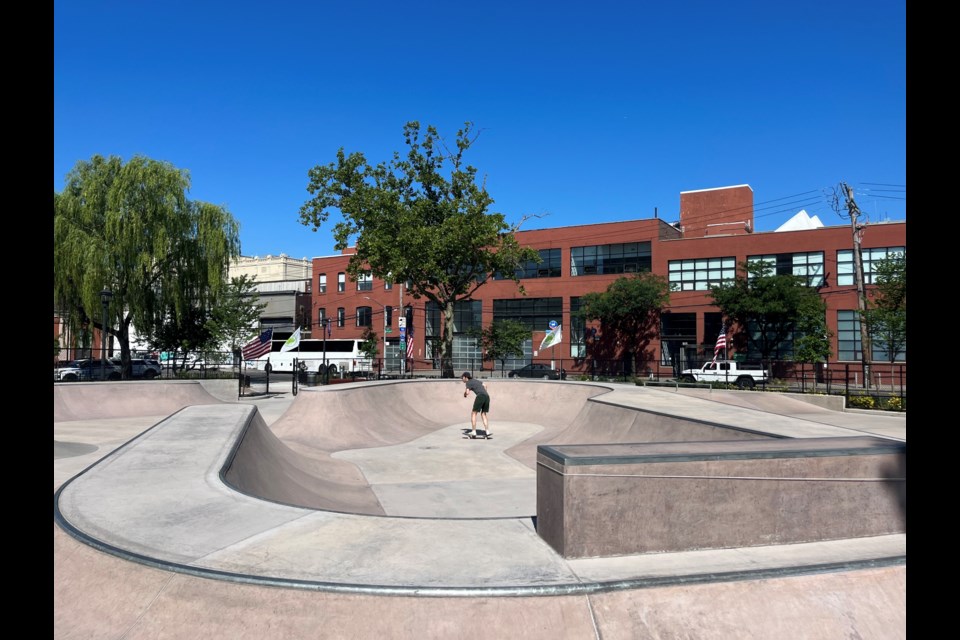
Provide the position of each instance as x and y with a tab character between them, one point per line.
129	228
420	219
769	309
629	314
886	313
503	339
235	318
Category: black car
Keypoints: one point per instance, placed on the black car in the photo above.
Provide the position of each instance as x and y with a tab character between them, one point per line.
541	371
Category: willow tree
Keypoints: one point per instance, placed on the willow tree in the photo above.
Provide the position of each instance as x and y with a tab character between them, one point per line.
411	223
129	228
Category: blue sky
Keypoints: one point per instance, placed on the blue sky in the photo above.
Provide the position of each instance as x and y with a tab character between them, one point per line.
587	112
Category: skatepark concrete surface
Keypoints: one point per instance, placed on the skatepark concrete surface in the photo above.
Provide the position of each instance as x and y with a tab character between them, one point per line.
359	511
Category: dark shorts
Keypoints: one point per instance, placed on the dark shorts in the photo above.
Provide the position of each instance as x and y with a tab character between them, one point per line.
481	403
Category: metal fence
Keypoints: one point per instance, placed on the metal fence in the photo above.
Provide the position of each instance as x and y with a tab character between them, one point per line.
887	388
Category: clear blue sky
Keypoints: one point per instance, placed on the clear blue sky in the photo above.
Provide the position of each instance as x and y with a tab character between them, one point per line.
587	112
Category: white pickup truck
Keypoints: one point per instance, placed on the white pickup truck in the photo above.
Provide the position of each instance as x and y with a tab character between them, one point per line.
744	375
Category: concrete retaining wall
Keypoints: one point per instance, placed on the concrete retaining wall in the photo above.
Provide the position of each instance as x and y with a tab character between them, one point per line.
619	499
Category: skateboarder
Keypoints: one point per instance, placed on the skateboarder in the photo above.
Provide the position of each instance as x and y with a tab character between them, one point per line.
481	405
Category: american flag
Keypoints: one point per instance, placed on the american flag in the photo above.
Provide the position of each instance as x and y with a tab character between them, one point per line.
258	346
721	342
410	342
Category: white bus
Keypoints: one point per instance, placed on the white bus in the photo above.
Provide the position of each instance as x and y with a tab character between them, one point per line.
337	355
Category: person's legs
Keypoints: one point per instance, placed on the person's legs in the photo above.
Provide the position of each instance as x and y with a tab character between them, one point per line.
484	409
473	421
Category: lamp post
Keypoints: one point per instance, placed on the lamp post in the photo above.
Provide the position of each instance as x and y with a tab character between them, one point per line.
384	329
105	296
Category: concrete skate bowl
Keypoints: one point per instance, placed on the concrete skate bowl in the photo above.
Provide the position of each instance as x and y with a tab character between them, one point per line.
108	403
295	460
108	400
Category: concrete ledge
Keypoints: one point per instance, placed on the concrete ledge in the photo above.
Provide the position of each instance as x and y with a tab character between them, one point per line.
621	499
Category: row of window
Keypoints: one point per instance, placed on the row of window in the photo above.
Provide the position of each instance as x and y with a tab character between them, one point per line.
697	274
631	257
364	282
677	329
363	316
701	274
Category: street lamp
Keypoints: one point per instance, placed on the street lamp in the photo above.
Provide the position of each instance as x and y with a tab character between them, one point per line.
384	330
105	297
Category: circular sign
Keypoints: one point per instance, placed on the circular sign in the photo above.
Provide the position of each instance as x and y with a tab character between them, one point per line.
553	324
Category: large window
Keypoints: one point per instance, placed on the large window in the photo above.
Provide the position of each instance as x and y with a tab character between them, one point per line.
323	283
365	281
701	274
806	265
466	316
849	346
678	339
845	271
534	313
341	282
364	317
548	267
630	257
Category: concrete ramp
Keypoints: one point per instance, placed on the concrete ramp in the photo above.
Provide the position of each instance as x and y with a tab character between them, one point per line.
125	399
329	449
267	468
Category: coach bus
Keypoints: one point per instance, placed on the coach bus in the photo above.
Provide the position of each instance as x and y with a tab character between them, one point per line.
337	355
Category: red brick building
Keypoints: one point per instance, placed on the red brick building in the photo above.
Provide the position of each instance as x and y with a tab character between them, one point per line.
714	235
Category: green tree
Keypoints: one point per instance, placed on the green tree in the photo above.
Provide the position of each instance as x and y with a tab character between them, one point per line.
412	224
766	307
811	342
370	344
629	315
181	335
501	340
886	314
130	228
235	318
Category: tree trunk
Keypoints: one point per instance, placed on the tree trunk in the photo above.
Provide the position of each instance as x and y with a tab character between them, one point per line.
446	352
123	338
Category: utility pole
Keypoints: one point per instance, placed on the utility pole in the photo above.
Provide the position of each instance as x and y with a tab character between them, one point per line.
403	335
866	347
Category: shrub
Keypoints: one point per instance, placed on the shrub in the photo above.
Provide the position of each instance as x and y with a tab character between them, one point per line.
894	404
862	402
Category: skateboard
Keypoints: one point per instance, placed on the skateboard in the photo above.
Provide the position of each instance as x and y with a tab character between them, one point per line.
481	435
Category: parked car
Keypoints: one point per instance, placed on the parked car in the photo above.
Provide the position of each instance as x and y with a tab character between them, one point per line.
140	367
86	370
538	371
743	374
